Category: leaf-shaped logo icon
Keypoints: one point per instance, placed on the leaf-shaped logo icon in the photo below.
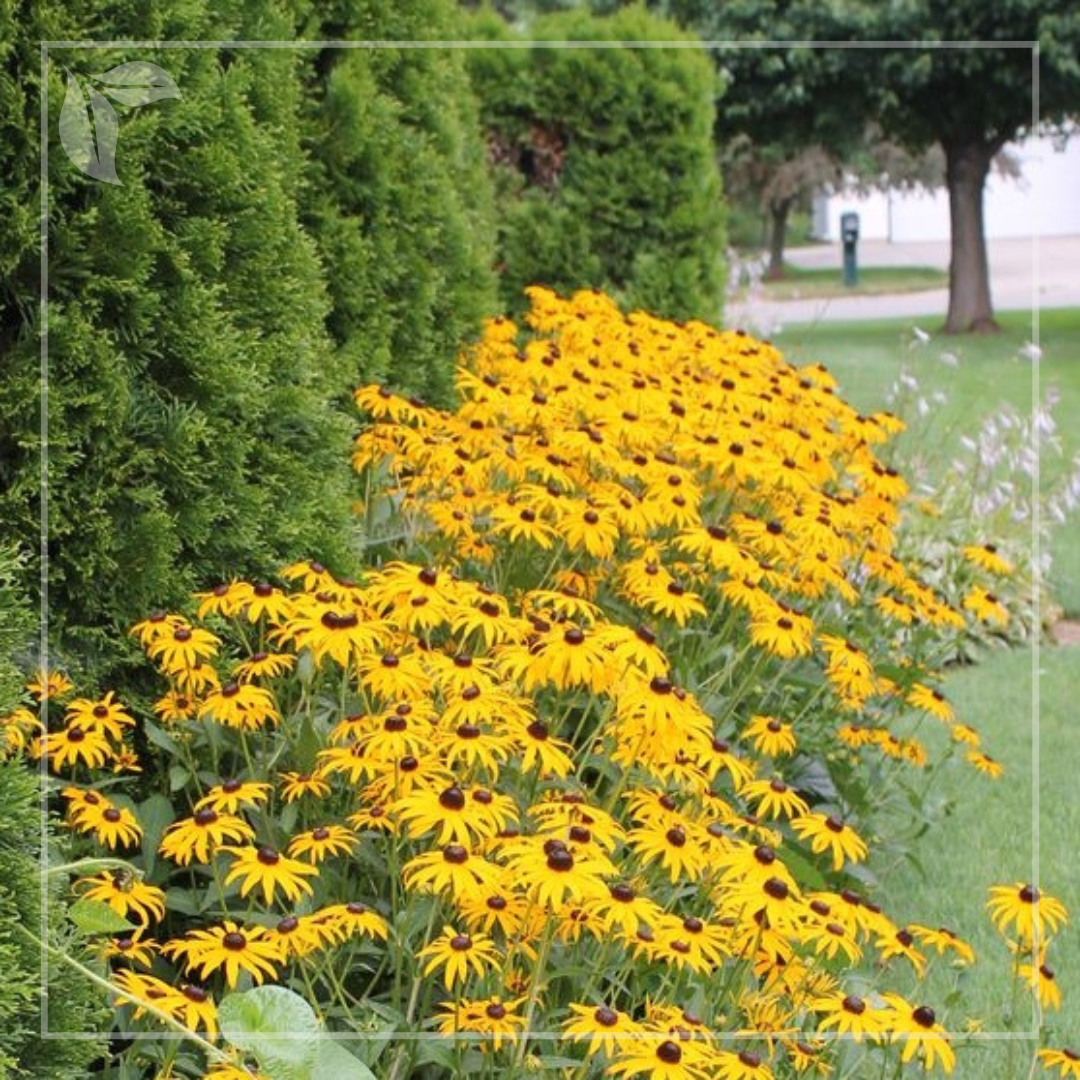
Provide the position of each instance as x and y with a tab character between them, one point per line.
91	145
137	82
94	156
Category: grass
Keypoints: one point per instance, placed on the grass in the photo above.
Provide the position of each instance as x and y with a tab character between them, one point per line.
800	283
989	838
867	357
989	835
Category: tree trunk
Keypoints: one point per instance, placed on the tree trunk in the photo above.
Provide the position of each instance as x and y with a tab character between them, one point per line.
967	163
778	214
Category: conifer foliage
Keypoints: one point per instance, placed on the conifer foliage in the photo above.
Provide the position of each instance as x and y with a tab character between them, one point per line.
604	160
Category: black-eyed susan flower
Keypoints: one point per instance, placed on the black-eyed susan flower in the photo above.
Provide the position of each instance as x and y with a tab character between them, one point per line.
667	1059
552	871
926	698
774	799
226	599
300	935
1041	980
943	939
808	1057
269	870
132	948
457	954
183	646
451	870
770	736
49	685
830	833
987	765
496	1021
231	948
264	665
782	631
602	1028
105	716
200	835
176	706
680	849
352	919
987	557
921	1036
986	607
456	815
297	785
240	705
321	842
74	745
849	1014
232	794
742	1065
1066	1061
113	826
1027	912
125	892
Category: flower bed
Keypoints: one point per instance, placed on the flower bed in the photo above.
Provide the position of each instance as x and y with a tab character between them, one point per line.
583	773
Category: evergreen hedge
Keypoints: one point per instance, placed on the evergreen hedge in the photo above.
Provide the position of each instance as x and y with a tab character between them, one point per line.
604	160
295	225
74	1005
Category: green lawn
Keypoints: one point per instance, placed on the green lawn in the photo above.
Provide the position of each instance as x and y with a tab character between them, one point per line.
800	283
989	837
991	834
867	357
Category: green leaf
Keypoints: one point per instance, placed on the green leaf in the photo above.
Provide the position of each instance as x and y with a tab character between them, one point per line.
335	1061
277	1027
155	814
96	917
280	1030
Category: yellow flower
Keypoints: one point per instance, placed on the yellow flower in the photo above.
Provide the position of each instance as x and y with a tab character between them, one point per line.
832	834
199	836
458	954
987	557
922	1036
232	794
1042	981
230	947
495	1020
47	685
1027	911
1066	1061
318	843
126	894
271	871
986	607
604	1028
73	745
770	736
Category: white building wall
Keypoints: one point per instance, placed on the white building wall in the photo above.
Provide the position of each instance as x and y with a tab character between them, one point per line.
1043	201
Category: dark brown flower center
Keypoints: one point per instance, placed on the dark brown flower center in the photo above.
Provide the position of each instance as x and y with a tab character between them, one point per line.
234	941
268	856
453	798
455	853
854	1005
676	836
561	861
606	1017
669	1052
776	888
924	1016
288	924
461	943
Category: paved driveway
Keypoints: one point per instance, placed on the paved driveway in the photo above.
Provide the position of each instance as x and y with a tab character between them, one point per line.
1024	274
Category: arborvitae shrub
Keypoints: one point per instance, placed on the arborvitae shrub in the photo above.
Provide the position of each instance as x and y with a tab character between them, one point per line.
296	224
604	161
398	198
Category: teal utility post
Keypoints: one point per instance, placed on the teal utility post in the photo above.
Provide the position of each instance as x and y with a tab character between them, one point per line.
849	233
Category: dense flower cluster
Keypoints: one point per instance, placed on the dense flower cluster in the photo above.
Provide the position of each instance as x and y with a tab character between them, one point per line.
551	768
